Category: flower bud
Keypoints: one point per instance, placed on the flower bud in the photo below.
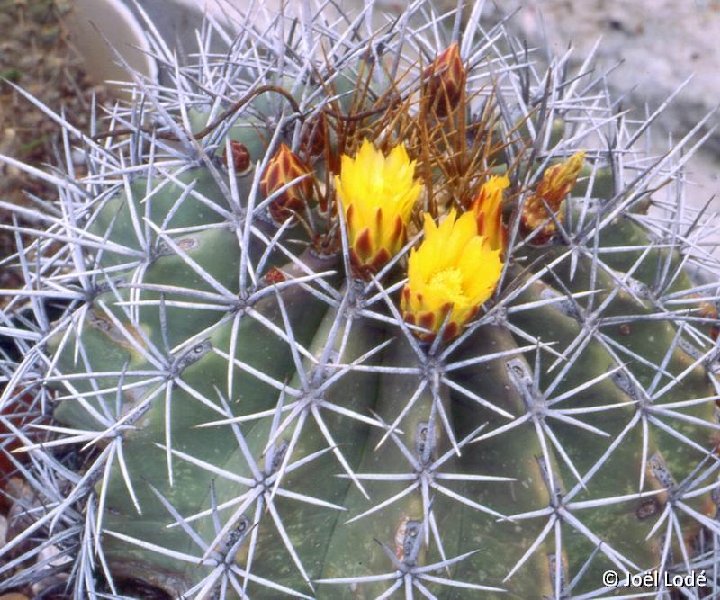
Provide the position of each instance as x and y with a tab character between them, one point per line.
556	184
708	310
487	206
284	167
444	81
239	155
313	137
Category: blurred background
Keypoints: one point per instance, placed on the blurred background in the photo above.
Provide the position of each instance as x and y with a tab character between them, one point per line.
58	51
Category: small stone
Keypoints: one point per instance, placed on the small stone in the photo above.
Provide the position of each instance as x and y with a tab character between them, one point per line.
50	553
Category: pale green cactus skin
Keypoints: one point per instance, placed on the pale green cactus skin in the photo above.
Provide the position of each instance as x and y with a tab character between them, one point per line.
250	434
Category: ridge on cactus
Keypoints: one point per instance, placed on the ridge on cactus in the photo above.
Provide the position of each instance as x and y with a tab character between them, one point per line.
362	306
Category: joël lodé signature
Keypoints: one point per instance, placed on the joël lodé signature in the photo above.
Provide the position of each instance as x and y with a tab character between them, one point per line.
655	579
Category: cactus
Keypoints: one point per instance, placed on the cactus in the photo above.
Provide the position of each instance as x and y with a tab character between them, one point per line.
359	315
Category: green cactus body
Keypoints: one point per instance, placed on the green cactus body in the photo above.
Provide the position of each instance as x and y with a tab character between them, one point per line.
262	415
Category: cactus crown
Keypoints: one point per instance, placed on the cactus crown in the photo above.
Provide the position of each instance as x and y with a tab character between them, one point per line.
362	306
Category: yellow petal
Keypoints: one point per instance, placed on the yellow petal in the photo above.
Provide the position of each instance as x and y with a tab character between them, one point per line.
382	192
454	268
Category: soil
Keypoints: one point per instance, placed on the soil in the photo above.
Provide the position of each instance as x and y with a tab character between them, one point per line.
36	55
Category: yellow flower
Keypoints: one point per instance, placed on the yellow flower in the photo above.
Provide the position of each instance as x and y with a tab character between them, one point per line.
377	194
452	272
556	183
487	206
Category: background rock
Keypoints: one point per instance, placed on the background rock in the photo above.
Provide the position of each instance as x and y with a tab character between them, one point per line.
650	48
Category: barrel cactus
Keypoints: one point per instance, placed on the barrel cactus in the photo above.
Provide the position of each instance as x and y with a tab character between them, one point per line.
370	311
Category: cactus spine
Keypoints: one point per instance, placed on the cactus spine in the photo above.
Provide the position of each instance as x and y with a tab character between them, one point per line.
376	321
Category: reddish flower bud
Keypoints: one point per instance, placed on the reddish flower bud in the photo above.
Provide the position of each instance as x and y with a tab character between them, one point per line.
274	275
239	155
708	310
313	140
444	81
284	167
